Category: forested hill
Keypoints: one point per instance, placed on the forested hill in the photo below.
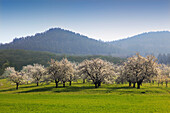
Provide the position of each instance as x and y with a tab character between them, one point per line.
146	43
19	58
61	41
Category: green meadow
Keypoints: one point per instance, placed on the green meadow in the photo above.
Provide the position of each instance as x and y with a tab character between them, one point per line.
84	98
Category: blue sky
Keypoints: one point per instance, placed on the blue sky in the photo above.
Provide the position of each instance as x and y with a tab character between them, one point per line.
99	19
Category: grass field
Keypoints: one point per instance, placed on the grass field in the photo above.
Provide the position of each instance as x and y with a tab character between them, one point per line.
83	98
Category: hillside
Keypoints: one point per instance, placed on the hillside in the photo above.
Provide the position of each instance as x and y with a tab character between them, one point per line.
61	41
146	43
19	58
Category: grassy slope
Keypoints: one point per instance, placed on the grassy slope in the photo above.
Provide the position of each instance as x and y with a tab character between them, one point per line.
83	98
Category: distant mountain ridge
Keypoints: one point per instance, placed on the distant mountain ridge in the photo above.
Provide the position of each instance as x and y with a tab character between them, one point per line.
62	41
146	43
57	40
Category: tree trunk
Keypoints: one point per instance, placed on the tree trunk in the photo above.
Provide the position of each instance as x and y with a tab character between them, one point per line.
84	80
158	83
95	85
129	84
166	83
56	83
138	83
70	83
153	81
37	83
17	86
134	85
162	83
64	84
121	81
99	84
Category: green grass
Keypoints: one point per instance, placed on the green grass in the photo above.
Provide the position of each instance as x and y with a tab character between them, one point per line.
83	98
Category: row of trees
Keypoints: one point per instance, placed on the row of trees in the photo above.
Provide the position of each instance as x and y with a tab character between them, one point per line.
135	70
57	71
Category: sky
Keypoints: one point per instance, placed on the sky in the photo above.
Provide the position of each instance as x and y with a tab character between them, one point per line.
106	20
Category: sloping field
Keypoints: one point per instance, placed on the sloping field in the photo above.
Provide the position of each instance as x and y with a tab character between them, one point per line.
83	98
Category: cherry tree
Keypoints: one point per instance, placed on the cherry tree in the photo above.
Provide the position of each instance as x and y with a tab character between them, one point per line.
74	73
121	74
130	72
124	74
54	71
61	71
84	77
27	72
14	76
139	68
98	71
67	71
34	73
164	75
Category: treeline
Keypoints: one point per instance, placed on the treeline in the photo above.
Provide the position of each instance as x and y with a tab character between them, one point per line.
19	58
136	70
164	58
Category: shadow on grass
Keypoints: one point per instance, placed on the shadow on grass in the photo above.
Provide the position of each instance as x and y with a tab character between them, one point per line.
123	91
103	89
20	87
60	89
38	90
74	89
28	86
123	87
5	90
14	89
